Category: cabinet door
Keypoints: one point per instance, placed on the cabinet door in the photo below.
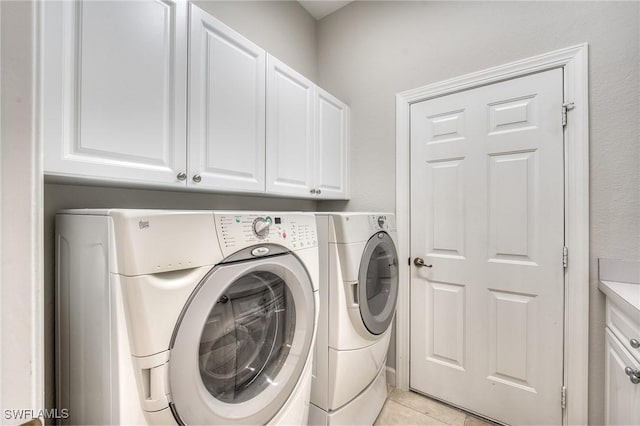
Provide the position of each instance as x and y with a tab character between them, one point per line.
622	398
332	147
113	93
226	108
290	130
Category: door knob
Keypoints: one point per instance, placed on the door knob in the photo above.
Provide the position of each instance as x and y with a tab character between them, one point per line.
634	343
181	176
419	262
197	178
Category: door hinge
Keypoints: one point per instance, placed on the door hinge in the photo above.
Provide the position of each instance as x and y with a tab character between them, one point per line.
566	107
565	257
563	396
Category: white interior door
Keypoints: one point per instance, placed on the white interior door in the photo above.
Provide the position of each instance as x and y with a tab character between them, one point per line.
487	218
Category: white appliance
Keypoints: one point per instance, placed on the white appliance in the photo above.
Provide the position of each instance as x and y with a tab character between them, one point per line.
358	294
188	317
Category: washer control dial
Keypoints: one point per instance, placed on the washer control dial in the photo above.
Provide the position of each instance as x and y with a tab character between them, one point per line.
261	227
381	221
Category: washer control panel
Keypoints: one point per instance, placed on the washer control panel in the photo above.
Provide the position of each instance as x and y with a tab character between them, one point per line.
238	230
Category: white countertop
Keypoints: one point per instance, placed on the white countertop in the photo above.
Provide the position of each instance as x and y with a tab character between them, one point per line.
625	295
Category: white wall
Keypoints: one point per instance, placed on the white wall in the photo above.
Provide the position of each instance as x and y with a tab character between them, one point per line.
369	51
282	28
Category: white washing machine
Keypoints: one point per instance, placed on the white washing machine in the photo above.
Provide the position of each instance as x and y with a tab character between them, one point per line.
185	317
358	294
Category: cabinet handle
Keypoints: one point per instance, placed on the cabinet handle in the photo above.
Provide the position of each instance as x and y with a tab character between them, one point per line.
318	191
181	176
197	178
634	343
634	375
313	191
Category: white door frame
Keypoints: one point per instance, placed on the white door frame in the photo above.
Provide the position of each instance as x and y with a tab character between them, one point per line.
21	224
574	62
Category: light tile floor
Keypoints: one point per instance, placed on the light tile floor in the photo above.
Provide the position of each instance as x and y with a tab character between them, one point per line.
410	408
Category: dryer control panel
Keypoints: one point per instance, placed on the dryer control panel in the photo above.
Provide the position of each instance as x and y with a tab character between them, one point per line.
382	222
238	230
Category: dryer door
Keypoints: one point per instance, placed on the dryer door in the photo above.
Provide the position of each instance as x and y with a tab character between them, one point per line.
378	283
242	342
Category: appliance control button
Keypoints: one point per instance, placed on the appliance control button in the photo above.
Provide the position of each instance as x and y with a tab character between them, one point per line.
260	251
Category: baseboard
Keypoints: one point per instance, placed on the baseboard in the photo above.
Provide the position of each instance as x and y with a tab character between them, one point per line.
391	376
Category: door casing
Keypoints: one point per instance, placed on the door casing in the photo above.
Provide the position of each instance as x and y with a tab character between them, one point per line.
22	305
574	63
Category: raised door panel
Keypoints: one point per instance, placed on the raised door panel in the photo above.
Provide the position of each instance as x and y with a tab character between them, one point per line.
332	147
226	108
113	93
622	397
290	130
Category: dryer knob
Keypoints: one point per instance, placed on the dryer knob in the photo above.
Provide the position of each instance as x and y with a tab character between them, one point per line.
261	227
381	220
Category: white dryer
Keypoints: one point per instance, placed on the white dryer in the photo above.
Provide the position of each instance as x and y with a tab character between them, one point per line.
185	317
358	294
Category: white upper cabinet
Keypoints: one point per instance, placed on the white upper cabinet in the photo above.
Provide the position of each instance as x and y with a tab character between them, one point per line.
332	147
113	105
290	130
226	108
113	92
307	137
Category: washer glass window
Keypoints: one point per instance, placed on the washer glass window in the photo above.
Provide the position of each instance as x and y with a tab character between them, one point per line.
247	337
242	342
378	281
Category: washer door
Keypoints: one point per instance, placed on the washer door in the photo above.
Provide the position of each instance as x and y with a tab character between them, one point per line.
378	283
242	342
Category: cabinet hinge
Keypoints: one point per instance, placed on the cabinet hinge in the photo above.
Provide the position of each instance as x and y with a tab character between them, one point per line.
568	106
565	257
563	396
